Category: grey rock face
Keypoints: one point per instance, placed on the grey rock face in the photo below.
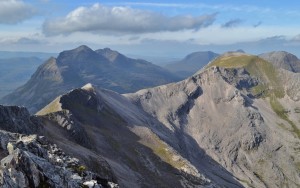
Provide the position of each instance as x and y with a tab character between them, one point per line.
17	119
212	115
69	123
31	161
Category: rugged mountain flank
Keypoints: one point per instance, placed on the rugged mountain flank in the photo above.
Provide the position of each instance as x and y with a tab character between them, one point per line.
129	139
234	123
240	113
191	63
74	68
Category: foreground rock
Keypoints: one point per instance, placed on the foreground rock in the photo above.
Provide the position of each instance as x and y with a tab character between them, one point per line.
31	161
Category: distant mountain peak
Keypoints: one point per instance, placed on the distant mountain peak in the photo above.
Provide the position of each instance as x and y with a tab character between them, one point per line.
83	48
283	59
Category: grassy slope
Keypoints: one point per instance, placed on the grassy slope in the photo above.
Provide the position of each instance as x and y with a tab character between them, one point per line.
257	67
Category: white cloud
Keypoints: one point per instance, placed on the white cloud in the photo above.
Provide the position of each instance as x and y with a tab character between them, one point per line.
98	18
14	11
214	7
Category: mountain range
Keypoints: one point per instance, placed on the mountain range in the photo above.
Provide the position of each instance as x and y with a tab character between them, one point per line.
73	68
234	123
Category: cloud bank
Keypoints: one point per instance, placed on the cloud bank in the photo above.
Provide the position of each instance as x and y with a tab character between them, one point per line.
98	18
14	11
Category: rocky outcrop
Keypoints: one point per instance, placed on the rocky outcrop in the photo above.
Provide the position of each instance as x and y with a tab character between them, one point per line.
17	119
31	161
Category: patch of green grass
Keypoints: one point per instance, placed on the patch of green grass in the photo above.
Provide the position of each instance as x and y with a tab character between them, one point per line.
233	61
79	169
282	113
297	164
247	182
259	90
264	71
161	150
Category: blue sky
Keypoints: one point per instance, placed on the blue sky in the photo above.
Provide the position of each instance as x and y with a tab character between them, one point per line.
153	28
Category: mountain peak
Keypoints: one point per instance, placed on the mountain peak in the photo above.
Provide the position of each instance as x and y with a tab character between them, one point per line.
282	59
83	48
88	87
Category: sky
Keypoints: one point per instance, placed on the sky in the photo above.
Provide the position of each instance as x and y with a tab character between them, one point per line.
151	28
